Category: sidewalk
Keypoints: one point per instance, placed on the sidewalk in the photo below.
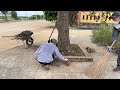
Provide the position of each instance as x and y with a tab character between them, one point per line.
19	63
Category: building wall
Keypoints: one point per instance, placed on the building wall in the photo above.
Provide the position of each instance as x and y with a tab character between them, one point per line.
84	18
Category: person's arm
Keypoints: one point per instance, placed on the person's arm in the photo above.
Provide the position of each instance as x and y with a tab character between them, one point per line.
115	34
117	26
59	55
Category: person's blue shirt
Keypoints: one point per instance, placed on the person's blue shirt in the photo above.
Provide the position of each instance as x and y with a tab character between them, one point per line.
45	52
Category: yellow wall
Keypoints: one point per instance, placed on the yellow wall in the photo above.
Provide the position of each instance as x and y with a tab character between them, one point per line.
85	20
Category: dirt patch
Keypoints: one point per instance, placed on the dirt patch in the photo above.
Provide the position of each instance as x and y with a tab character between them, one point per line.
72	50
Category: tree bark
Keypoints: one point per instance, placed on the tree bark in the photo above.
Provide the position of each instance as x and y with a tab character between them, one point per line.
63	29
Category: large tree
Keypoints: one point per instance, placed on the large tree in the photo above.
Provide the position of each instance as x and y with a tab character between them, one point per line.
63	19
52	16
14	15
63	29
5	13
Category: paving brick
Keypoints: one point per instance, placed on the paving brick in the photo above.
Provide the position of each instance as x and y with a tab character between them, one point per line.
19	63
40	76
49	75
59	76
67	75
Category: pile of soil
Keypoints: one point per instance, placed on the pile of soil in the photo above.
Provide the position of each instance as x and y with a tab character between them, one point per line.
24	35
72	50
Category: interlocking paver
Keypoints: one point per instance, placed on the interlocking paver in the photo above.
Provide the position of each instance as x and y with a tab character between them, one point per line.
59	76
19	63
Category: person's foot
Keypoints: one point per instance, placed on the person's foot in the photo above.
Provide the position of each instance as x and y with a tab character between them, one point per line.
116	69
42	65
47	67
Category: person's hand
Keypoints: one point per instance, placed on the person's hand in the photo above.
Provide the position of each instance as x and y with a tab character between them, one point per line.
109	49
68	62
49	41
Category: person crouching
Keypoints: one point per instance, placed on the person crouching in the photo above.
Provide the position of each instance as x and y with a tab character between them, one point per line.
45	53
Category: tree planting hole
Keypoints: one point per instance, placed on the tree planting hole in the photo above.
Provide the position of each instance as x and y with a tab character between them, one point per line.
72	50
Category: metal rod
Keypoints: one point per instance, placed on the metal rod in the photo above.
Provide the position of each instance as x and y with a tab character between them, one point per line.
7	36
52	33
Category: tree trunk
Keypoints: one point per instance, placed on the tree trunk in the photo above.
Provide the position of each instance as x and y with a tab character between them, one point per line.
5	16
63	29
71	18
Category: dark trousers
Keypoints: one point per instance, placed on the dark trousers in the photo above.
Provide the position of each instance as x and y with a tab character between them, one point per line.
46	63
118	59
115	34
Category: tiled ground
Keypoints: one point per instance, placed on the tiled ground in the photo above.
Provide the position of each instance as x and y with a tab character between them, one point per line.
19	63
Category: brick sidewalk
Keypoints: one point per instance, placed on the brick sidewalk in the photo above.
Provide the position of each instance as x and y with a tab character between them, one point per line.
19	63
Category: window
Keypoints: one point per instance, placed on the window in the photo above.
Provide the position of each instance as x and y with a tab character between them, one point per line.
110	19
90	17
94	17
87	17
83	17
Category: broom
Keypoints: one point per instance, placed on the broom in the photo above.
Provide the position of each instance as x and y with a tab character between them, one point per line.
97	69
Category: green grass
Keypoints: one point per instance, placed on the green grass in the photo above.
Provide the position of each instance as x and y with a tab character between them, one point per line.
103	35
